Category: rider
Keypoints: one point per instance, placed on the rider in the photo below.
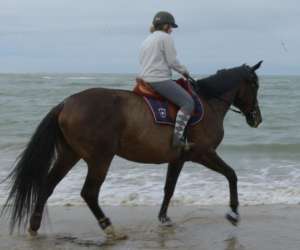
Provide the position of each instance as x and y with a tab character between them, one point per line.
157	60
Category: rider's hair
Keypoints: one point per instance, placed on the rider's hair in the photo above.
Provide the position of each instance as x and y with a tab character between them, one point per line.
161	27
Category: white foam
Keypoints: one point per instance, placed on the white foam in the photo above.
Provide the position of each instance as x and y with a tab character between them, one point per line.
134	184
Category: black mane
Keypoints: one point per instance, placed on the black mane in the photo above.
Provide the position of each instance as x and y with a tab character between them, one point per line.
221	82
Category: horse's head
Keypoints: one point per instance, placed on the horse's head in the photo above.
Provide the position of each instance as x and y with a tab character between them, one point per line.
246	98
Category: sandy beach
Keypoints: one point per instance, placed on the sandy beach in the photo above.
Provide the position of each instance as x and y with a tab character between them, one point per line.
266	227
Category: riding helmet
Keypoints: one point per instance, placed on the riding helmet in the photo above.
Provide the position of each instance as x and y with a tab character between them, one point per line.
164	17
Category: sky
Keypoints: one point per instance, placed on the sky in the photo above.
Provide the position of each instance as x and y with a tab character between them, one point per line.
98	36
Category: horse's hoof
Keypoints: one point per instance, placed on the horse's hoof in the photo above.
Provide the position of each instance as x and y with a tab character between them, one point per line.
32	233
233	218
112	234
166	221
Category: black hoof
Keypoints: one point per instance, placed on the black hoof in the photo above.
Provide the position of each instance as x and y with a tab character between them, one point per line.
35	222
233	218
166	221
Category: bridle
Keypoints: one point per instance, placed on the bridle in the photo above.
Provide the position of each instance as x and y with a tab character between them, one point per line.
194	82
229	105
253	87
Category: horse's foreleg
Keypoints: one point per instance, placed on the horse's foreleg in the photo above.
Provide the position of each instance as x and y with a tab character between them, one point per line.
65	161
174	170
97	171
212	161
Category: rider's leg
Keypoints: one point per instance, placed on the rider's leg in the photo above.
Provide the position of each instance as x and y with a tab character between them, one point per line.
176	94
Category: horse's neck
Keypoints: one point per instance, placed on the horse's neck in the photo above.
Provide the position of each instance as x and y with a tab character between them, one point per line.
222	104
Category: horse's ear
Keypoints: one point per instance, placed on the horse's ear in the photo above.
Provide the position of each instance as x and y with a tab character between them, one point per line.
256	66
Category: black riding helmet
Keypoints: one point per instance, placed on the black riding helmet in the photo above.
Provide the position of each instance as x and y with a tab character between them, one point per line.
164	17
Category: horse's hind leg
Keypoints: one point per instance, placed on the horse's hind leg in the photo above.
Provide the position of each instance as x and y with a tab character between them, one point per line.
174	170
66	159
97	170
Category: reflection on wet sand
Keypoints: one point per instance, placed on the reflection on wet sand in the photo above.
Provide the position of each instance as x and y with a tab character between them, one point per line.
233	244
195	228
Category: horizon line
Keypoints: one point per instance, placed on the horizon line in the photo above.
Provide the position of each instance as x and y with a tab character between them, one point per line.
122	73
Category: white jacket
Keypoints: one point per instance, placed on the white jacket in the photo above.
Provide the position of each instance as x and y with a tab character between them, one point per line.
158	58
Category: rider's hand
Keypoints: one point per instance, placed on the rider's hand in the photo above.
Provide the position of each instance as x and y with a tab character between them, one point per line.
186	75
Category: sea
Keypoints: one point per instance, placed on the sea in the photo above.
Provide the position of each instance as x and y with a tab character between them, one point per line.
266	159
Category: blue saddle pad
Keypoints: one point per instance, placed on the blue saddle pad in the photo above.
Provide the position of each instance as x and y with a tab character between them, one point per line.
161	114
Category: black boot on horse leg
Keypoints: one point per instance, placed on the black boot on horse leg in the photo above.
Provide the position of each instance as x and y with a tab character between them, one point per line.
90	192
212	161
174	170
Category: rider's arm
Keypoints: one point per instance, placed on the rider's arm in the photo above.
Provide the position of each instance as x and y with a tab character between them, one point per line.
171	55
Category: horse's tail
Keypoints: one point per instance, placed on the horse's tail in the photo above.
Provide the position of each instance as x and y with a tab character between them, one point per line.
31	169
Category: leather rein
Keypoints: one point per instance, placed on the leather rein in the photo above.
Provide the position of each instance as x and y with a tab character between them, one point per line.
193	82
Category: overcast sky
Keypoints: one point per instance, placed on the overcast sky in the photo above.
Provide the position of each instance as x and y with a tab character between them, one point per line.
104	36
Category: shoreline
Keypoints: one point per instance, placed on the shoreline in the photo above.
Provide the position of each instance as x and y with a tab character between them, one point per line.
196	227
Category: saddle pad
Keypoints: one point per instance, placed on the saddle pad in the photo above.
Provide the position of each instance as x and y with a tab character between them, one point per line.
165	112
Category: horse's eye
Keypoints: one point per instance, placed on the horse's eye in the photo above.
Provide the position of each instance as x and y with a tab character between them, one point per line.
254	85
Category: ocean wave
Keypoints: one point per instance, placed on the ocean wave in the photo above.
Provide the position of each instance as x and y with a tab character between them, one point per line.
80	78
273	183
247	196
48	77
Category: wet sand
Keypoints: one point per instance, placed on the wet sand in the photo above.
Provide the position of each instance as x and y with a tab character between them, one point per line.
267	227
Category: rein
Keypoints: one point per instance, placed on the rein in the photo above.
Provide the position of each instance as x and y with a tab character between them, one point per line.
236	111
194	82
229	104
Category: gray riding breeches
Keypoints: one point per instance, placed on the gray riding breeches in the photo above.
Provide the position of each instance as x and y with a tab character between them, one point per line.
176	94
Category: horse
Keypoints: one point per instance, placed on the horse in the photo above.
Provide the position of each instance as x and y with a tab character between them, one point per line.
97	124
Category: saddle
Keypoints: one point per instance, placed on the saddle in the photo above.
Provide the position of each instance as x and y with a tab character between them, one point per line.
164	111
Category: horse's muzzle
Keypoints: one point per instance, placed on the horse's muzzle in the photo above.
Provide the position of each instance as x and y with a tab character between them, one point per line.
254	118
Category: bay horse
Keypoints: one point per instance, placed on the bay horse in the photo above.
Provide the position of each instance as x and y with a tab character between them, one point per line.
97	124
